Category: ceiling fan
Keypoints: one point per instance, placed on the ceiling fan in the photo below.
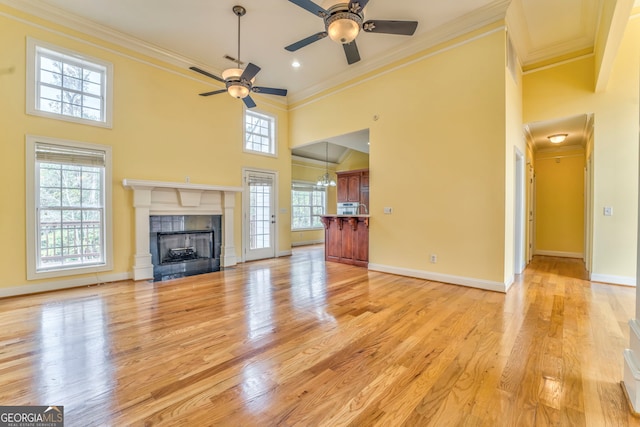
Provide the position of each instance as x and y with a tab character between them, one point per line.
343	22
238	82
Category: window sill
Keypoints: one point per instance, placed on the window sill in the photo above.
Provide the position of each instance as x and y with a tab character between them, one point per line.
69	271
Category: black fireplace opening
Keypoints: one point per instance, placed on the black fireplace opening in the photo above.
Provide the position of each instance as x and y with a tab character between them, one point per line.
180	246
184	245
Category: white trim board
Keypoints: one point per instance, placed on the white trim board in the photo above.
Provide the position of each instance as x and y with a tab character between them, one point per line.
559	254
443	278
614	280
96	279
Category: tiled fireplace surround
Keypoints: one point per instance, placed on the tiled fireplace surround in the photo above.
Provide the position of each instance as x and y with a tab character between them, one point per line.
176	198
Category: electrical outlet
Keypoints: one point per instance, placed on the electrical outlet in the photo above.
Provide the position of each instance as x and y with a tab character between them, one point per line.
433	258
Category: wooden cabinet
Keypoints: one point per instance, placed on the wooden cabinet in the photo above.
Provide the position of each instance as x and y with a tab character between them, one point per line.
352	185
353	188
364	190
343	188
346	239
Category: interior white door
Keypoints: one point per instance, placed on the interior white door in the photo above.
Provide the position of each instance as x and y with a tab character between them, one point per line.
259	215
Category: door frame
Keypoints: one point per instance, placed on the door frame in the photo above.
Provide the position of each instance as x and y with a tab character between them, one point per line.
245	209
519	238
531	211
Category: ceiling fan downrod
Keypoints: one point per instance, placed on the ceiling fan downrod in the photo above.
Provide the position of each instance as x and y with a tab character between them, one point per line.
239	11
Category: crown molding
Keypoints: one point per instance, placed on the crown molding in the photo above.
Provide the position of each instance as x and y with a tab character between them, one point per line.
518	27
561	149
73	22
468	23
304	161
76	23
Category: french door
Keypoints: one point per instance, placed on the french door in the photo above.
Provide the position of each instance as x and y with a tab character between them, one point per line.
259	215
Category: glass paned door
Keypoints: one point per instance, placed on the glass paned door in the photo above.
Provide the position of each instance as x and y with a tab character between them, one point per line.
259	215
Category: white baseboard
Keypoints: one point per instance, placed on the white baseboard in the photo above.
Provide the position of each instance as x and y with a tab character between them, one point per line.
308	242
445	278
284	253
615	280
559	254
62	284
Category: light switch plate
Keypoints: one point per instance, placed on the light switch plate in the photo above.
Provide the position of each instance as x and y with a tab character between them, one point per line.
388	210
608	211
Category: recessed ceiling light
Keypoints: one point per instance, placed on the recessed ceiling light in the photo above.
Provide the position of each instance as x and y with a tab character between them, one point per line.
295	64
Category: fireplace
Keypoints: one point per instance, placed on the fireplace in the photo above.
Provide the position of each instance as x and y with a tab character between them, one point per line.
181	203
184	245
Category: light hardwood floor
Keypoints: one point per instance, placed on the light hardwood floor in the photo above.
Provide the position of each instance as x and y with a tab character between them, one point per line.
295	341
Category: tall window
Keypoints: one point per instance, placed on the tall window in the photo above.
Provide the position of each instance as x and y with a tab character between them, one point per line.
69	206
68	86
259	133
308	203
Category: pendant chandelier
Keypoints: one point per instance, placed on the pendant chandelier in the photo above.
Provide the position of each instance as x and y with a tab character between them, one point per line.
326	180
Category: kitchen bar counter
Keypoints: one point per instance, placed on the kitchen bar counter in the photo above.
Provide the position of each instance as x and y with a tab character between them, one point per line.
346	239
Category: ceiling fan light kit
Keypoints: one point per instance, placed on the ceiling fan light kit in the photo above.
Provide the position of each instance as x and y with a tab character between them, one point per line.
239	82
343	22
343	27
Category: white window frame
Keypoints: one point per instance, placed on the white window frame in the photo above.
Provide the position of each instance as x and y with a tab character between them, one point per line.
274	132
32	195
34	49
307	184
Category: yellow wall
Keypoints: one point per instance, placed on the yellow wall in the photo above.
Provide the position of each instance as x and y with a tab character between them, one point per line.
162	130
567	90
437	157
560	203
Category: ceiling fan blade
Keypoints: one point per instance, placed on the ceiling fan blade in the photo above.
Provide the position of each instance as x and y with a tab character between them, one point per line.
304	42
248	102
215	92
198	70
250	72
311	7
403	28
351	50
270	90
358	5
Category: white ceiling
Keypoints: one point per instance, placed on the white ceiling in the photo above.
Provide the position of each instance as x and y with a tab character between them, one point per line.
202	32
